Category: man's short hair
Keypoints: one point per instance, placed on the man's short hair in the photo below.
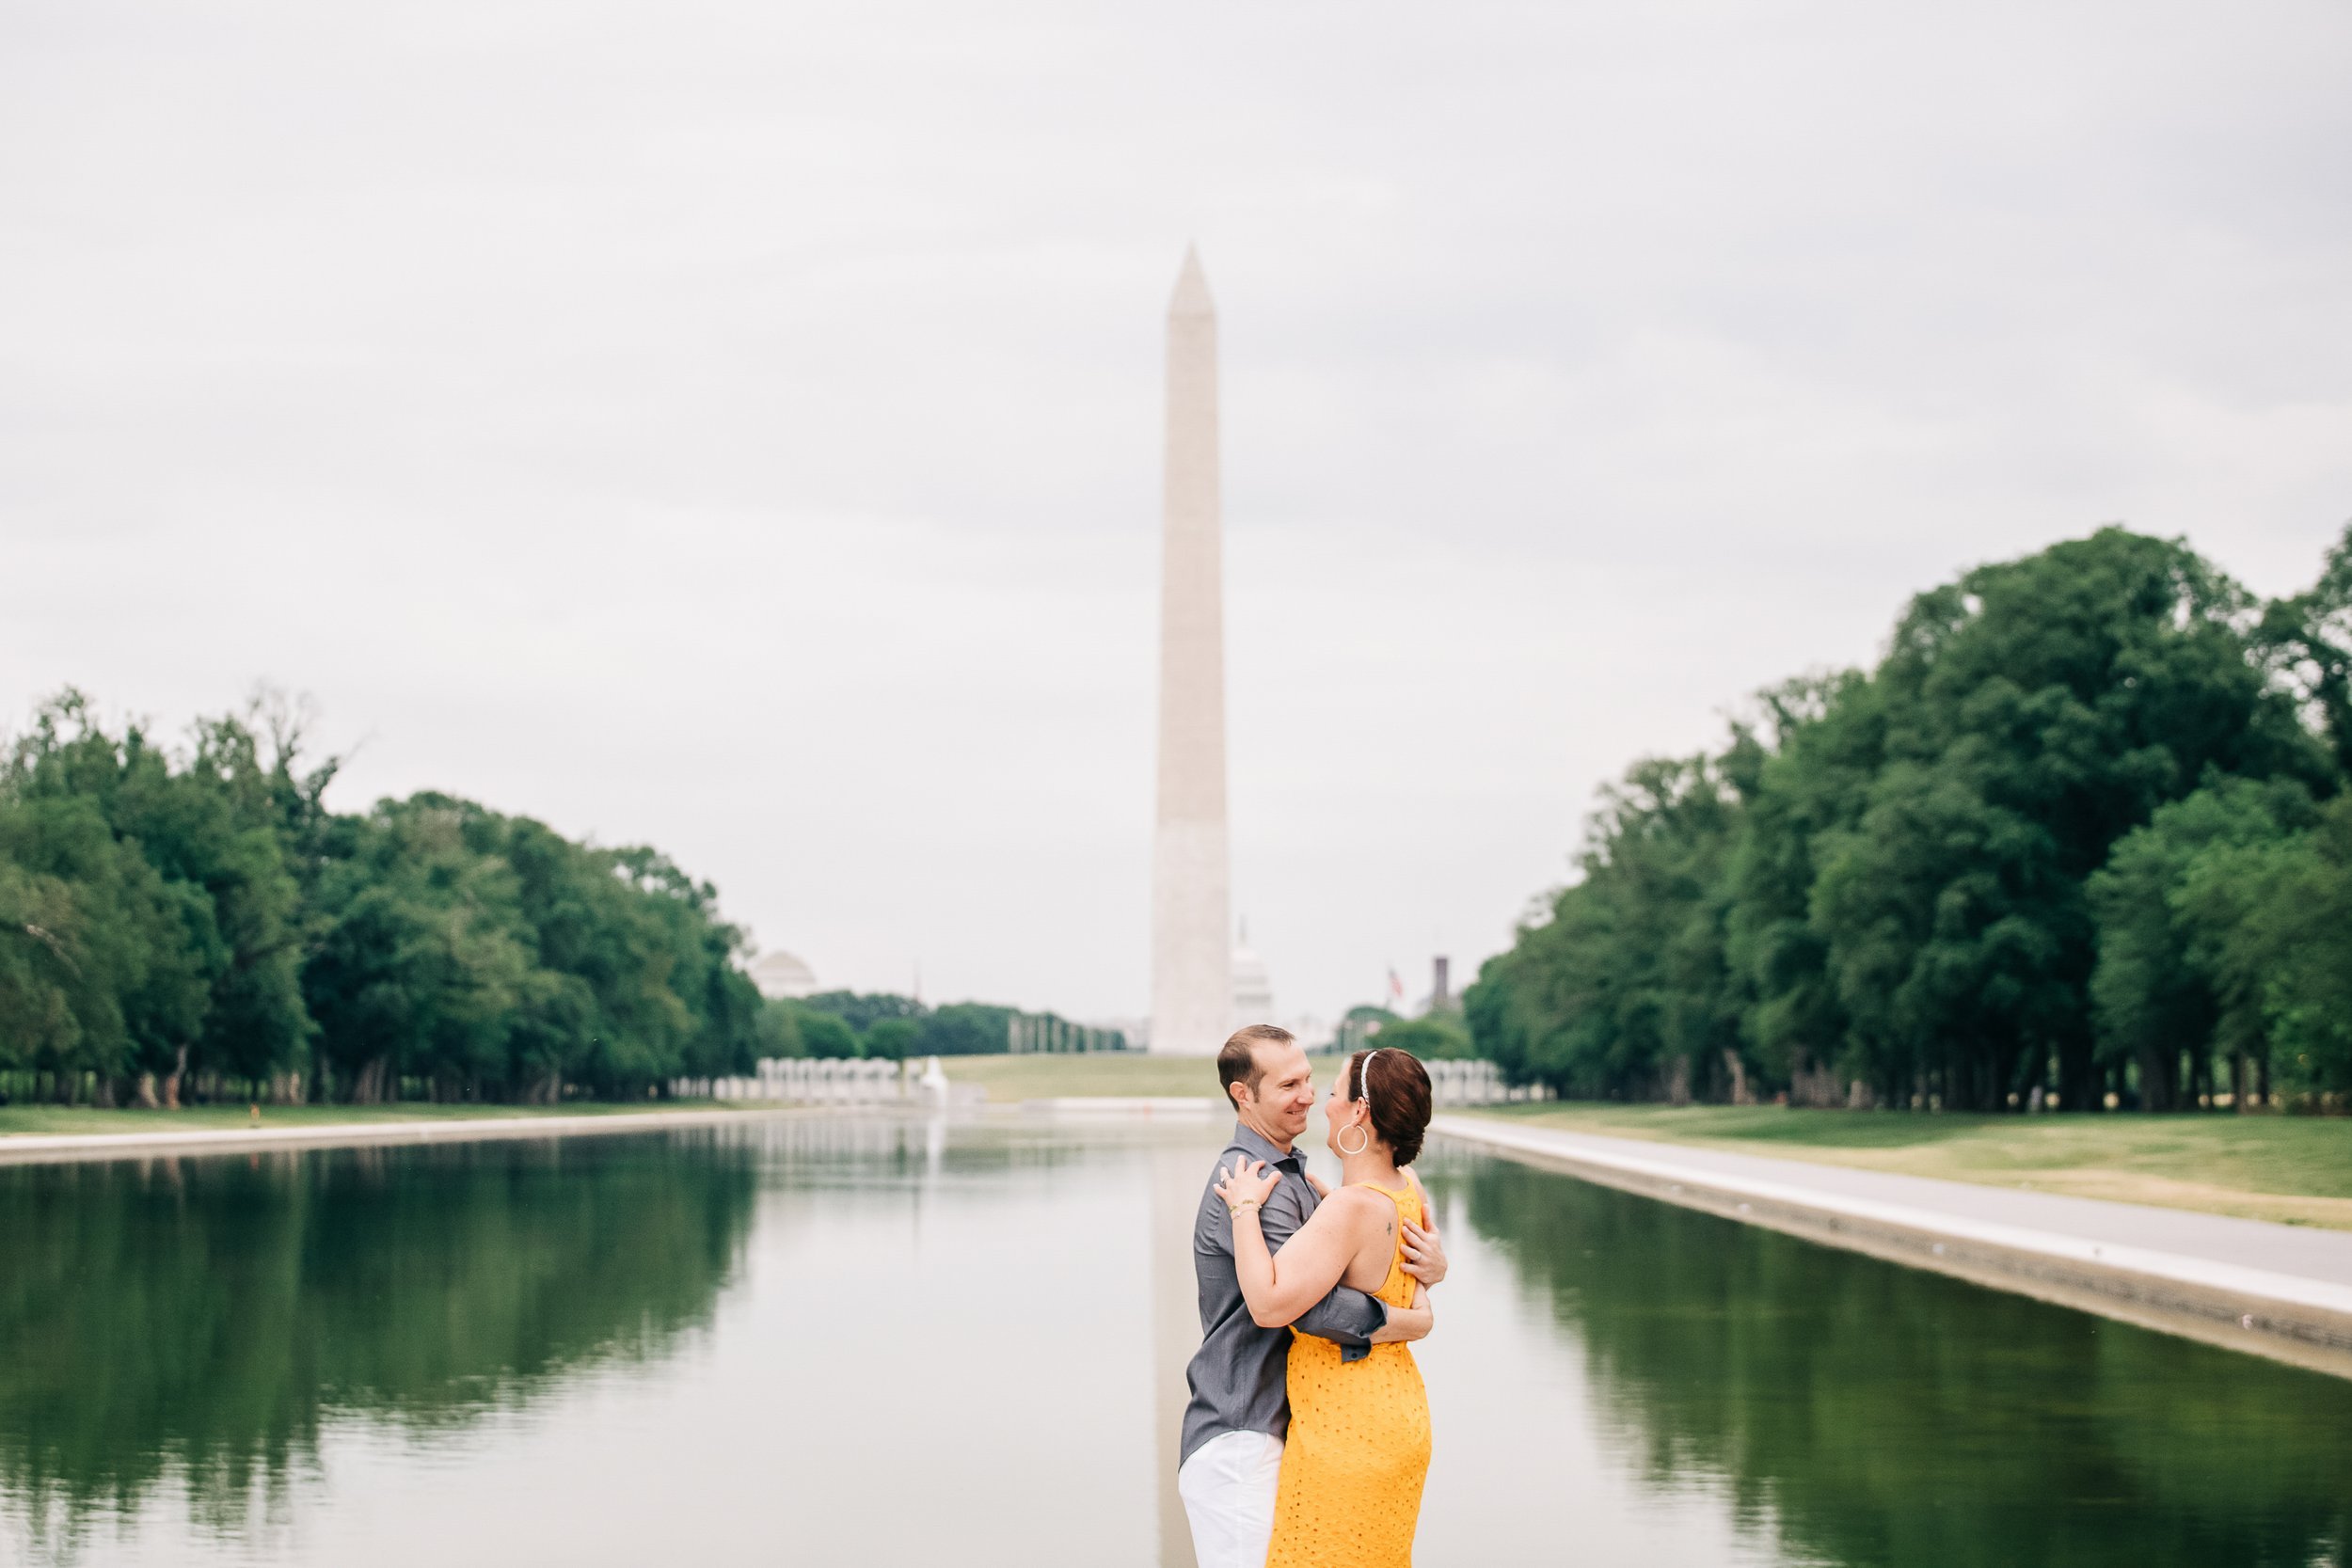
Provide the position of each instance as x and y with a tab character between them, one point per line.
1237	1058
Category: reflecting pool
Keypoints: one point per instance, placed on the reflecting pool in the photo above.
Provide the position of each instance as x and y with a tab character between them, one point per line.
837	1341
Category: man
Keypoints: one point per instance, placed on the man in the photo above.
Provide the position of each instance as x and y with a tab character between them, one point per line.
1231	1453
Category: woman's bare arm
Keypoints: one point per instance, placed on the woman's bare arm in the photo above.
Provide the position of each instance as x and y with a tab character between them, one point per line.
1280	1285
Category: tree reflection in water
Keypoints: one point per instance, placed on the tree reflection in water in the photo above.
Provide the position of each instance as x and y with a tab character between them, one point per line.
1889	1416
194	1318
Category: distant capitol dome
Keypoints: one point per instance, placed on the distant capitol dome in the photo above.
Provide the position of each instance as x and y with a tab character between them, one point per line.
780	976
1253	990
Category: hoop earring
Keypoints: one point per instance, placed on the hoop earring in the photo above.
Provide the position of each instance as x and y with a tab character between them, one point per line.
1363	1143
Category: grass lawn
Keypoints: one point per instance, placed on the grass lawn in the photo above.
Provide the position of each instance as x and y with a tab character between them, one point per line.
1004	1078
195	1118
2293	1169
1112	1074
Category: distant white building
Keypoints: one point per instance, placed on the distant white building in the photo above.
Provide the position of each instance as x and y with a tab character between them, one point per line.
1314	1033
1253	1003
1253	999
1253	989
782	977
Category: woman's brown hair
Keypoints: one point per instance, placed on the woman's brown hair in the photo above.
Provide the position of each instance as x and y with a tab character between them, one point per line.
1398	1086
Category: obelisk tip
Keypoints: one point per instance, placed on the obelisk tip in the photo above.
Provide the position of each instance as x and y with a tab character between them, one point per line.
1192	289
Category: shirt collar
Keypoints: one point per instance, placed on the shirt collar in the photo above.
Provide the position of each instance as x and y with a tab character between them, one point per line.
1253	1143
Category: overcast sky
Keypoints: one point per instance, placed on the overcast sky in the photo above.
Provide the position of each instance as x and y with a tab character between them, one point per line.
736	427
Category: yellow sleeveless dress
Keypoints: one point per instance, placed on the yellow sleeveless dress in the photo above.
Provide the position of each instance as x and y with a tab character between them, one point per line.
1359	1445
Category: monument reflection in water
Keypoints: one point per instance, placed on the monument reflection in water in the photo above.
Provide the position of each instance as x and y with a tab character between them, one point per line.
829	1340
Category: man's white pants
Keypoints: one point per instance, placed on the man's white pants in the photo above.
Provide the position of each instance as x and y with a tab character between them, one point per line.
1227	1486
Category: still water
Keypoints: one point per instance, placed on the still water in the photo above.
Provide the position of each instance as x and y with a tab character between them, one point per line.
827	1341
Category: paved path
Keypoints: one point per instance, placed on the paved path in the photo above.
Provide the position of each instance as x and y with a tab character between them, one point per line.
42	1147
2192	1273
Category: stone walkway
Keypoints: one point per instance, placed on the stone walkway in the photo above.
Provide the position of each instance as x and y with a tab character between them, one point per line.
2187	1272
44	1147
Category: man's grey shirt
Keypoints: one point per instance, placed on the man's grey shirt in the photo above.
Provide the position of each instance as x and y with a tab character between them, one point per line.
1238	1376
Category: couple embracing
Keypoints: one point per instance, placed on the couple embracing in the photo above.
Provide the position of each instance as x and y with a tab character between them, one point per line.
1307	1438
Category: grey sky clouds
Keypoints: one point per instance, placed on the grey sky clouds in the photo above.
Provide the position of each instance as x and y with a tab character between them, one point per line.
737	427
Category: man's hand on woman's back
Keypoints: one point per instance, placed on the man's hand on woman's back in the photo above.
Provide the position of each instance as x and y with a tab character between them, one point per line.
1424	1253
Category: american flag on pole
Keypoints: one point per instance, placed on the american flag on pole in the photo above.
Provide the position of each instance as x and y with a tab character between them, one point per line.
1396	989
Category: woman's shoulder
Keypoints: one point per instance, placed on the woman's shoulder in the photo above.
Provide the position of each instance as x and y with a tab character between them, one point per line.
1365	1205
1356	1200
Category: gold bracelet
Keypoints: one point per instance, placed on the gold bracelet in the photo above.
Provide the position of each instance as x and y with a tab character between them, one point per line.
1233	1210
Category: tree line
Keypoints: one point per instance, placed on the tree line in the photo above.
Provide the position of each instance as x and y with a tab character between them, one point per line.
2080	837
199	924
888	1025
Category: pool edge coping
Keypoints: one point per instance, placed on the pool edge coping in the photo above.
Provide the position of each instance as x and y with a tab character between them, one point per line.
2279	1316
33	1149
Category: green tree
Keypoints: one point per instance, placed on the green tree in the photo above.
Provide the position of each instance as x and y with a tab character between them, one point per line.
493	958
1437	1037
826	1035
2035	710
138	946
964	1029
892	1039
1888	875
1822	741
109	964
779	1030
1359	1023
210	830
423	966
2308	638
862	1011
1624	991
202	915
2156	990
2270	919
216	824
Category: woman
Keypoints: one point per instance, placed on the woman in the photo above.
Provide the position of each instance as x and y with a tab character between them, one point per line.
1359	1444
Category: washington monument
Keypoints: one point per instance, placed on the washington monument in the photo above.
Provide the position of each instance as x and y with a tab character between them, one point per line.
1192	996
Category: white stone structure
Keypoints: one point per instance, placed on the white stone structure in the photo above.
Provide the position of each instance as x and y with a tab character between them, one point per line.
806	1081
835	1081
1465	1082
1312	1031
782	977
1477	1082
932	1086
1253	988
1192	988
